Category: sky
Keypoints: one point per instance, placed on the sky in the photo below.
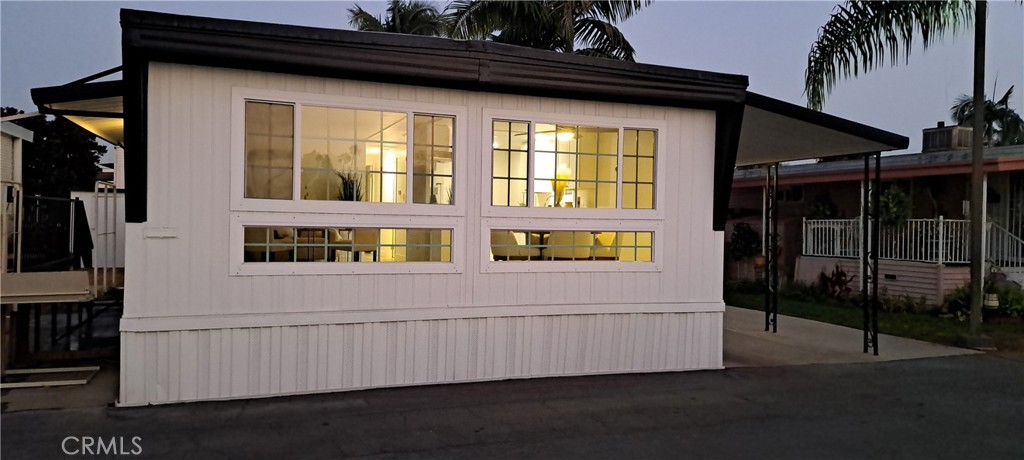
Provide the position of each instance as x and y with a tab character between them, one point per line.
52	43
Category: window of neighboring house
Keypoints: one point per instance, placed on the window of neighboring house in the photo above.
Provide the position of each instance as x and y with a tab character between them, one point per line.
351	244
572	166
348	154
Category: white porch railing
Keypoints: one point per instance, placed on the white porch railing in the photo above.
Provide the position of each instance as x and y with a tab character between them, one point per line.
920	240
1005	249
832	237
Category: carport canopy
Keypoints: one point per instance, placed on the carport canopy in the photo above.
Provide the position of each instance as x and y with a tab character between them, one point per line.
98	107
774	131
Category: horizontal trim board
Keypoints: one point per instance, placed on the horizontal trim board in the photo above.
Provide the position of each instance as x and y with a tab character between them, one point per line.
178	366
183	323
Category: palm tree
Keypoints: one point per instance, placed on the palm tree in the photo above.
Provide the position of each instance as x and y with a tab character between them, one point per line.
1003	125
861	36
577	26
412	17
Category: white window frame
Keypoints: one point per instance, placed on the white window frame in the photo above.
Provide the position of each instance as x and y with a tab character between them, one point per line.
343	214
240	203
489	210
572	219
238	266
570	266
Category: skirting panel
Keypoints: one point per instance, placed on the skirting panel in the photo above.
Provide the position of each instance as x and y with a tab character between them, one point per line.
175	366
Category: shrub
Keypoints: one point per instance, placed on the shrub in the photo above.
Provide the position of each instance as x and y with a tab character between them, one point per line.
745	242
958	302
836	284
745	287
902	303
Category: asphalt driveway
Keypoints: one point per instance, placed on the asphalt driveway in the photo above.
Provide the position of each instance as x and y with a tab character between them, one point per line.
960	407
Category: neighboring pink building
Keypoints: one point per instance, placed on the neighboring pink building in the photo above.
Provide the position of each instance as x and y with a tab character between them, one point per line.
937	182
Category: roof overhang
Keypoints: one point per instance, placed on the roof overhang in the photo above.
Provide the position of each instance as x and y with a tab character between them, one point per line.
14	130
97	107
894	167
775	131
749	129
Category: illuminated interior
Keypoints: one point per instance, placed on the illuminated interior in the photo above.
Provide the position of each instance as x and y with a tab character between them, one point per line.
352	244
537	245
572	166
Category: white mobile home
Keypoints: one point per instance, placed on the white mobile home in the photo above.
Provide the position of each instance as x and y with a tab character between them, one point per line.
316	210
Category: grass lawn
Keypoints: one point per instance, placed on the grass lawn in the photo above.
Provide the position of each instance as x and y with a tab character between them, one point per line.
1007	336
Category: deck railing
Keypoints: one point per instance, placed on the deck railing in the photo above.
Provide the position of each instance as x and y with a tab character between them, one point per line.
920	240
1005	249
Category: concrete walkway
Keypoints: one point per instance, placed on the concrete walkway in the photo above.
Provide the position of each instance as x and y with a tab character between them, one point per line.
800	341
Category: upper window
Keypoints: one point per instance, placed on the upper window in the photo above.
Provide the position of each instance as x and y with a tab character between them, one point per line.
568	166
268	150
348	154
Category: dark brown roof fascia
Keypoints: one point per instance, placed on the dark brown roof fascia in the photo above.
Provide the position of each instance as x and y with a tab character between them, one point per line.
423	61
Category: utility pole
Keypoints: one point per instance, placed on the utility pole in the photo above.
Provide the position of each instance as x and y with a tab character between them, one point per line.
973	339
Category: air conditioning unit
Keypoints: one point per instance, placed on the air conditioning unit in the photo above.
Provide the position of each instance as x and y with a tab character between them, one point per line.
944	137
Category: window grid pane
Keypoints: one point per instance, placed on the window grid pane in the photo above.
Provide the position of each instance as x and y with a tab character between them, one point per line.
509	163
576	166
268	150
350	244
638	163
353	155
574	245
433	159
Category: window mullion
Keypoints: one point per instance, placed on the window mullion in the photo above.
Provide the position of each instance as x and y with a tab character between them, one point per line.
618	170
530	161
296	153
410	138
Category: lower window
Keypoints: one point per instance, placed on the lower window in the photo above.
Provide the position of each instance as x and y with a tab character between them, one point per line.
352	244
572	245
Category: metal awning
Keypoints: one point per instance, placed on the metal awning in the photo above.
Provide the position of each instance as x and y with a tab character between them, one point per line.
775	131
97	107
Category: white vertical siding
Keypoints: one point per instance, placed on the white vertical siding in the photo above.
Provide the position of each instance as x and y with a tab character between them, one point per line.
242	335
7	157
162	367
187	275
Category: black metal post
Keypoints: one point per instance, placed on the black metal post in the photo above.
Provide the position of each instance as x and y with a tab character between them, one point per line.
775	248
865	224
67	324
875	244
38	328
771	268
53	327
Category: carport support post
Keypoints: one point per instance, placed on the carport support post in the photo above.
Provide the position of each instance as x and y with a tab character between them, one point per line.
771	250
875	246
870	202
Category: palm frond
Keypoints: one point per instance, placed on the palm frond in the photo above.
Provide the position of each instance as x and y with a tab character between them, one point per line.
617	10
414	18
863	35
1003	125
479	19
596	34
363	20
